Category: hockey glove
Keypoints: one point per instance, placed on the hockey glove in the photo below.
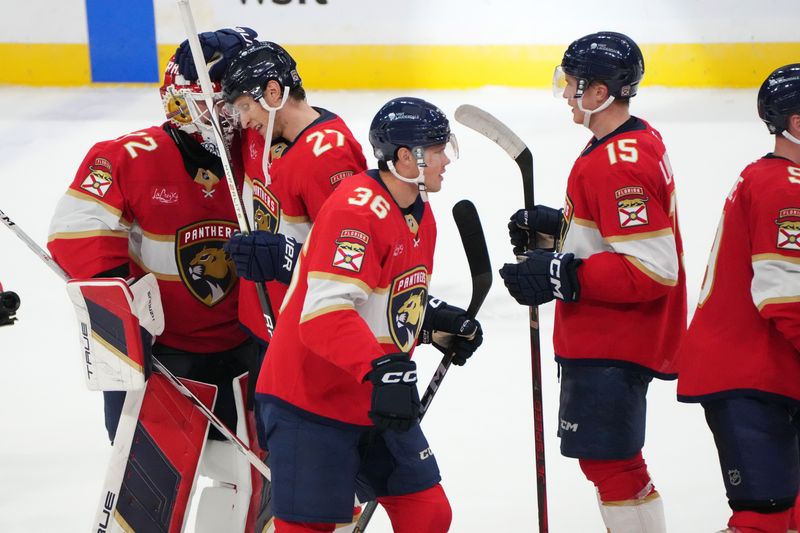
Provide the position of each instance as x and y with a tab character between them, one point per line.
541	277
263	256
543	221
395	399
450	330
219	49
9	303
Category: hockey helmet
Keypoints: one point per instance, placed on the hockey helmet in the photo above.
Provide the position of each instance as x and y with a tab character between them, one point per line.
606	56
779	98
407	122
249	73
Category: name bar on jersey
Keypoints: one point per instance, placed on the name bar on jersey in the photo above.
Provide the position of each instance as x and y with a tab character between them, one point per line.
417	277
214	231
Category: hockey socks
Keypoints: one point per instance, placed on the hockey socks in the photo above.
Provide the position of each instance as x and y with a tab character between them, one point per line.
628	500
753	522
427	510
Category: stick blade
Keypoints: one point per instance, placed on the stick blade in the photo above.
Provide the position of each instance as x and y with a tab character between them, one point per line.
489	126
472	238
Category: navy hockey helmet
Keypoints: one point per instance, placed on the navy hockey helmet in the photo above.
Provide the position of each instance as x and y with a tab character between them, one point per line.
249	73
407	122
606	56
779	97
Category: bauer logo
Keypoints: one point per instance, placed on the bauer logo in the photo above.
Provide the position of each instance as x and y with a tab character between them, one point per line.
206	270
406	308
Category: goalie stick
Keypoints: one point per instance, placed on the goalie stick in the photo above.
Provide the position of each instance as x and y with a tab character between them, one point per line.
174	381
491	128
205	85
480	268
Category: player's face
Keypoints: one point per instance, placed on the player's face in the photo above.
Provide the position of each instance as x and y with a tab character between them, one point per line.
252	114
436	159
569	93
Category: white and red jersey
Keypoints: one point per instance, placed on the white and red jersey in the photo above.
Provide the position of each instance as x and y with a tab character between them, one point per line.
744	338
360	293
133	203
302	176
620	218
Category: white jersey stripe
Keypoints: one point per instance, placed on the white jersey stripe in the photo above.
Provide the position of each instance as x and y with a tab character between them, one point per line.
75	215
776	279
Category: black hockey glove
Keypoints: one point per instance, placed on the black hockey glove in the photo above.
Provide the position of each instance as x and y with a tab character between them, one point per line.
219	49
542	220
9	303
450	330
541	277
395	399
263	256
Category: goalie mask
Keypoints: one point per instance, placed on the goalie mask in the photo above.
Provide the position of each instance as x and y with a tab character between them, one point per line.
185	107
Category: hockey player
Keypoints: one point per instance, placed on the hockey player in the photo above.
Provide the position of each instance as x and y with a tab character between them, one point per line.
155	202
741	355
314	152
617	276
337	399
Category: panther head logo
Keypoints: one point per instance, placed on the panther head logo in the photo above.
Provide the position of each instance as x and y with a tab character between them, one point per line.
205	269
407	302
213	267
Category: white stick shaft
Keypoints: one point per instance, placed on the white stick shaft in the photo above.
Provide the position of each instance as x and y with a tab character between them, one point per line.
44	256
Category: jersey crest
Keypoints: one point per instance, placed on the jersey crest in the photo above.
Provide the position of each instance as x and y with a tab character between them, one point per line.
206	270
99	179
632	207
266	208
407	303
788	222
350	249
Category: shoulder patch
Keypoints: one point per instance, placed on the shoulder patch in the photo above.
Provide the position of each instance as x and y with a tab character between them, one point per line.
350	249
99	179
788	222
339	176
632	206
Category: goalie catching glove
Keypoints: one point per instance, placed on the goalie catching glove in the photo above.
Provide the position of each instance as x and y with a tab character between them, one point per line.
450	330
117	326
263	256
541	277
219	49
541	221
395	399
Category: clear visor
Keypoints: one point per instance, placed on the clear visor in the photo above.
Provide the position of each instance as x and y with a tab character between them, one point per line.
559	82
449	149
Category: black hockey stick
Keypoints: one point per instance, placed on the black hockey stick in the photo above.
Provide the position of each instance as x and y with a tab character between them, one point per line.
174	381
205	85
488	126
480	268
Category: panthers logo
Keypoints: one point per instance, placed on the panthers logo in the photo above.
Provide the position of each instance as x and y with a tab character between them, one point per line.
266	208
205	268
407	303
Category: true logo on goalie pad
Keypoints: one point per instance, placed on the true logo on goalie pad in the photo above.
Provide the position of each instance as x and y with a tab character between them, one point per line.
406	308
788	222
99	179
351	246
206	270
632	207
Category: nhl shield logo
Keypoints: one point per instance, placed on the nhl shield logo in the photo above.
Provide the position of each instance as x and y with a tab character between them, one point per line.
99	179
350	249
406	308
788	222
734	477
206	270
632	207
266	208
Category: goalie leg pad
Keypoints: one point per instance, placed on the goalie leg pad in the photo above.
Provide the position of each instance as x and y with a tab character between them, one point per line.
154	459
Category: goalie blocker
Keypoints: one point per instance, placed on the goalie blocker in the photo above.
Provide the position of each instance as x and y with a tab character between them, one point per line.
117	325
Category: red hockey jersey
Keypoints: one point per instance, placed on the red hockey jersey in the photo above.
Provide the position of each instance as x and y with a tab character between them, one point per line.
302	176
361	292
745	335
133	202
620	219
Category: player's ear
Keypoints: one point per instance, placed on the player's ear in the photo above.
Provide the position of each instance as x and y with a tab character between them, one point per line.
600	91
273	93
794	124
404	155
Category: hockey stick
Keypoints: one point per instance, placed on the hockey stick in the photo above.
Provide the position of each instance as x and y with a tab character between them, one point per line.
205	85
488	126
480	268
215	421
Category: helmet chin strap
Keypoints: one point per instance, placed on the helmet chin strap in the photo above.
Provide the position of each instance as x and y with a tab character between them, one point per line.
419	181
270	127
790	137
587	113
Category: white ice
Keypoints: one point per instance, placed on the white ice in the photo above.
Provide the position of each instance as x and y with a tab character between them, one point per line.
53	449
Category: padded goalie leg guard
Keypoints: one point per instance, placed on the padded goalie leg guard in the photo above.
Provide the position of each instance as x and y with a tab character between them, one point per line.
154	459
628	501
239	500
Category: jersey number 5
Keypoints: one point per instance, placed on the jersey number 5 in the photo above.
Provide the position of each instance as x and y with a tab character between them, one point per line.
380	206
